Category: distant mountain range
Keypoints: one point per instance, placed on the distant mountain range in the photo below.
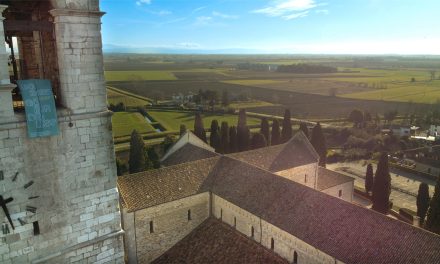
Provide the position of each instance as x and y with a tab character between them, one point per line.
111	48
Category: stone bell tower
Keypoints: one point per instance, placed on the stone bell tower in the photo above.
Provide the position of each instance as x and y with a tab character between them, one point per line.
59	202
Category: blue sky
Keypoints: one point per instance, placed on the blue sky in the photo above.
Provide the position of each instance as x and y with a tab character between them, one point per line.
276	26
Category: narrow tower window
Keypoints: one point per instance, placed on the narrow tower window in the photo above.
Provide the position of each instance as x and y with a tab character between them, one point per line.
272	244
252	231
151	227
221	214
235	221
36	228
305	178
295	258
189	215
340	193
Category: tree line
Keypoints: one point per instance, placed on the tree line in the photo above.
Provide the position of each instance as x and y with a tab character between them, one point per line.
306	68
230	139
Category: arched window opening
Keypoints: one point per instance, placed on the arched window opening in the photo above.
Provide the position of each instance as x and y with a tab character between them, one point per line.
295	258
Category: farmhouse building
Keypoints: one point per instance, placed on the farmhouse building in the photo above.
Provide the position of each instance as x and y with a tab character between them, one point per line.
270	205
58	187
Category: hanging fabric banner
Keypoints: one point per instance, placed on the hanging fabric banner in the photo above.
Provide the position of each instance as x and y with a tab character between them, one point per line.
39	103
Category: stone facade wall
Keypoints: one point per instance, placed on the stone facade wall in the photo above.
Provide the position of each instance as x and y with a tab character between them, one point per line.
244	221
285	244
346	190
170	225
74	177
306	174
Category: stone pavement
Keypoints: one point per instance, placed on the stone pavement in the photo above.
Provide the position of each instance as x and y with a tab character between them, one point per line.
404	185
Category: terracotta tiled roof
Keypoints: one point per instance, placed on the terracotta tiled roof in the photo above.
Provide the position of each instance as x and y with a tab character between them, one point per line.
187	153
328	178
218	243
298	151
349	233
150	188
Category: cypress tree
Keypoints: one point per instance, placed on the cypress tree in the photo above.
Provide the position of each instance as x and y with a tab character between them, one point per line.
433	218
242	122
224	140
286	132
121	167
233	140
199	130
243	136
153	157
137	157
214	138
318	142
258	141
369	180
303	127
422	201
276	136
167	142
382	186
243	132
264	129
182	129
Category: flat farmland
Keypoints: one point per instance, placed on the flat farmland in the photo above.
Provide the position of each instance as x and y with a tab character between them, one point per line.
302	105
114	97
304	85
138	75
125	122
171	120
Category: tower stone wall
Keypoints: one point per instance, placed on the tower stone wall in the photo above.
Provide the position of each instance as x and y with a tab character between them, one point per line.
65	202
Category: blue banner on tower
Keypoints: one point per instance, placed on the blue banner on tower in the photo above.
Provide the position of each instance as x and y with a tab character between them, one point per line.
39	103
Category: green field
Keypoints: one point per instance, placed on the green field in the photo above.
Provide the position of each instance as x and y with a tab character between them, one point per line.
171	120
124	123
428	92
114	97
139	75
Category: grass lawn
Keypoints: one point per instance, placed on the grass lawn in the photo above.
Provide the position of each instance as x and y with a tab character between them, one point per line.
250	104
115	98
172	120
138	76
125	122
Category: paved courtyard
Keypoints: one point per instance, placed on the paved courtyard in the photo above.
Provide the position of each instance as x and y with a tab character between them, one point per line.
405	185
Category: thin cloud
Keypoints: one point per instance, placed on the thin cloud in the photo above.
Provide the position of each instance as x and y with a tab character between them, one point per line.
203	20
198	9
322	11
162	13
224	16
143	2
295	15
288	9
